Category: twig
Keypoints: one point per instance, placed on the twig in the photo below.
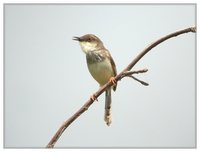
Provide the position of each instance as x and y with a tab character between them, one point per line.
142	82
118	77
129	73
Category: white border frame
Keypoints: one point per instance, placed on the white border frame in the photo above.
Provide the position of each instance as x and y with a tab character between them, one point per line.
96	1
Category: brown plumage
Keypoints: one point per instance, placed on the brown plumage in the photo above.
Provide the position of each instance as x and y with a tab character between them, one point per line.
101	66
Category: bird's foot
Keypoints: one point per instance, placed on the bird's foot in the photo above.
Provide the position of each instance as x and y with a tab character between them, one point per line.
93	97
113	80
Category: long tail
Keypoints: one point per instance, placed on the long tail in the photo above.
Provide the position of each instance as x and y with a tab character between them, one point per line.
107	116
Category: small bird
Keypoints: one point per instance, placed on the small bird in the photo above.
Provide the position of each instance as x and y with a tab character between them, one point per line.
101	66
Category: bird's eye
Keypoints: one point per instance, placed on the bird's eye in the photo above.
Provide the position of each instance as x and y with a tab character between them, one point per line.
89	39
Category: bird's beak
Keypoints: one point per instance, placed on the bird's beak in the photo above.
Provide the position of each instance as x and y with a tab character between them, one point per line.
76	38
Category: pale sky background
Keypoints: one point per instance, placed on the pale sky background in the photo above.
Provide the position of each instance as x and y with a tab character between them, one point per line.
46	76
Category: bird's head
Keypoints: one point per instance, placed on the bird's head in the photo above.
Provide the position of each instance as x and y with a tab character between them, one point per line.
89	42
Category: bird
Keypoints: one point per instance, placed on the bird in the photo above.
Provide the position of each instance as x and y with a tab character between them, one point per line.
101	66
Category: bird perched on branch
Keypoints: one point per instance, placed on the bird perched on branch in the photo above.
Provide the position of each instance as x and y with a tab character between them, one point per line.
101	66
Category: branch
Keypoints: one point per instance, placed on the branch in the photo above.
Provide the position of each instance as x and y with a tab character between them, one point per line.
129	73
109	84
142	82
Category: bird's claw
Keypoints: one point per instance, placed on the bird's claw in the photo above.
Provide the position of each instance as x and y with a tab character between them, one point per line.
113	80
93	98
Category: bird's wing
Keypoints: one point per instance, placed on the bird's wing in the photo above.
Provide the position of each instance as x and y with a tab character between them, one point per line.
113	66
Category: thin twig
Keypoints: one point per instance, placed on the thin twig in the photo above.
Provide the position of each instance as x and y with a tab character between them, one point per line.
142	82
118	77
128	73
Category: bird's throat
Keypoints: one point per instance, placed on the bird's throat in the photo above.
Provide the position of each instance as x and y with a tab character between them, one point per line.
88	47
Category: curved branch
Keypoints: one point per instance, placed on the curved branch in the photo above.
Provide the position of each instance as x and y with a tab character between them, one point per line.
118	77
